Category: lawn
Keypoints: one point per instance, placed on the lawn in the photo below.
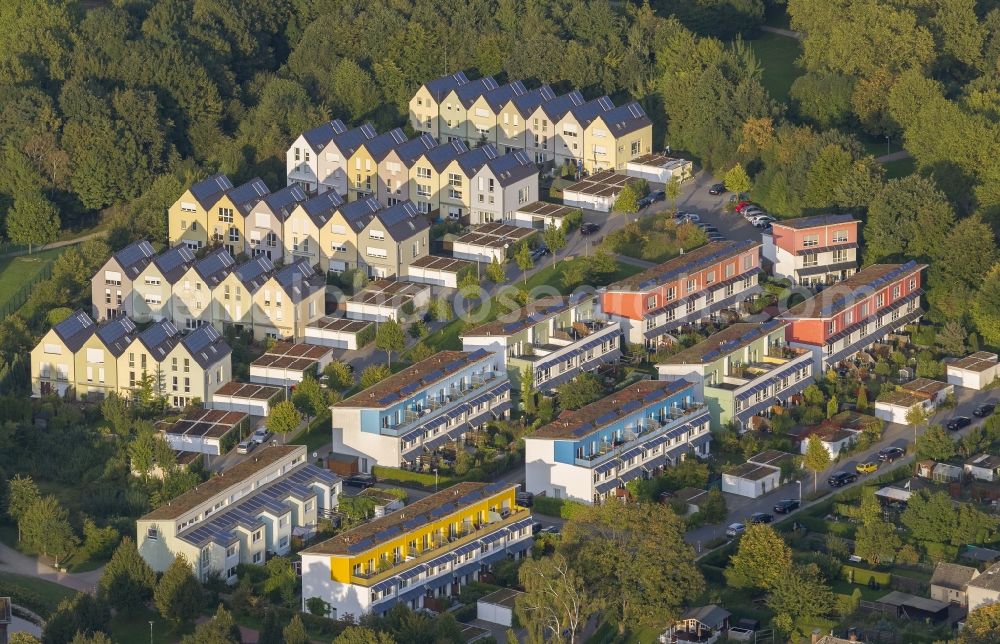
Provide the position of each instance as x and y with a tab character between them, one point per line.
777	55
136	628
316	435
900	168
15	272
47	593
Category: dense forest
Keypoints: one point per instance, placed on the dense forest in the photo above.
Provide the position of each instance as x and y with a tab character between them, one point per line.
109	108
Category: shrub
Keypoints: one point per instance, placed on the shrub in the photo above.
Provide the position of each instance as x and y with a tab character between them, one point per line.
562	508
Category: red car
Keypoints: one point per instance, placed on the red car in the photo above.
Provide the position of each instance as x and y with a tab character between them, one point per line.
741	205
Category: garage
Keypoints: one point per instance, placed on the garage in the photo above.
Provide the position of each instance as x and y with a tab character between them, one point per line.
659	168
539	215
286	364
597	192
248	398
387	299
437	271
498	607
751	480
206	431
489	241
975	371
340	333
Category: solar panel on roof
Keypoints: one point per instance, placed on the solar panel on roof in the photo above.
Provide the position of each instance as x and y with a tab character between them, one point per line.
653	395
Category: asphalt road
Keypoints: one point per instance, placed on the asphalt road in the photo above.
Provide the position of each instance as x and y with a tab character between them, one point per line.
895	435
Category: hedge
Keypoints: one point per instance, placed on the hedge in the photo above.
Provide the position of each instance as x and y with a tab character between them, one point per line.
863	576
562	508
365	336
421	479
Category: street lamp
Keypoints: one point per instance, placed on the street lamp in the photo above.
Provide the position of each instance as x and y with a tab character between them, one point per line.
887	144
150	631
799	482
435	479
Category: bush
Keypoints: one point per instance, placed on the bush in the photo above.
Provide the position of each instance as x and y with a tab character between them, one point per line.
562	508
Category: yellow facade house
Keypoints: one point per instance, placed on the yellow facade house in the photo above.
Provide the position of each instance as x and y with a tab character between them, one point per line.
485	111
426	180
233	298
301	236
454	109
540	126
194	292
188	217
97	358
425	105
614	138
512	117
362	167
569	130
145	357
339	237
196	367
456	187
153	289
53	360
227	219
291	298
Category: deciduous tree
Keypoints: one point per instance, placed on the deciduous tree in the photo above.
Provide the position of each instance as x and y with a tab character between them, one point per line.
221	629
283	419
982	626
339	375
22	493
497	271
373	374
580	391
935	444
760	560
737	180
389	338
45	526
33	220
178	594
876	540
816	458
555	239
295	632
800	595
523	259
555	604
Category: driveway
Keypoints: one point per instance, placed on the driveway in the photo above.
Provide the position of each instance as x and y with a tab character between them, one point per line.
894	435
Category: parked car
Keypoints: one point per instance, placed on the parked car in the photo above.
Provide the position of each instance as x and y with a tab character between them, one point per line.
759	219
688	216
717	189
708	228
735	529
751	212
716	237
540	251
652	197
958	422
588	229
524	499
760	517
741	205
551	529
841	479
261	436
889	454
867	467
360	479
785	506
247	446
985	409
536	527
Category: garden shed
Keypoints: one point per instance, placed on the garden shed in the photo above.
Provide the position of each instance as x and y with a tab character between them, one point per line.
915	608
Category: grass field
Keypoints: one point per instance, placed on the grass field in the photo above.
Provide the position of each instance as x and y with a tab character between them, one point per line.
900	168
49	593
777	55
136	628
18	271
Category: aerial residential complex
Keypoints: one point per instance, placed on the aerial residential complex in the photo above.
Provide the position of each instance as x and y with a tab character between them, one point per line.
689	288
240	516
856	312
421	408
431	548
742	371
592	135
551	341
589	453
813	250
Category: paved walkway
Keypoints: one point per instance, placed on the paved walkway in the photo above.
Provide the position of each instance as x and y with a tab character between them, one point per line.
788	33
895	156
58	244
634	261
13	561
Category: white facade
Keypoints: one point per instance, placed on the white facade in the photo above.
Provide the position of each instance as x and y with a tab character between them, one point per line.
892	412
751	480
337	333
496	199
975	371
478	252
660	172
842	439
600	203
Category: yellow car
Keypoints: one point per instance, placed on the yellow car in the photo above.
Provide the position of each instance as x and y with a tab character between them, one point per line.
867	468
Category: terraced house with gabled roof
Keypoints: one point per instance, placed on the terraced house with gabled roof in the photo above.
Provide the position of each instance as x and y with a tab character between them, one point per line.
144	358
304	160
362	167
188	217
97	358
540	126
339	237
425	176
454	108
194	293
232	300
231	210
153	289
501	186
483	114
264	225
111	285
512	118
197	366
301	234
53	360
616	137
395	237
569	143
291	298
394	170
456	187
425	106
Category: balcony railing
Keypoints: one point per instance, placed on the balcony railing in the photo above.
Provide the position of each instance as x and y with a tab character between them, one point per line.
637	433
453	395
437	547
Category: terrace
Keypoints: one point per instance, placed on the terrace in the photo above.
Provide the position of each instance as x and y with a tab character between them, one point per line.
623	442
742	374
559	338
456	393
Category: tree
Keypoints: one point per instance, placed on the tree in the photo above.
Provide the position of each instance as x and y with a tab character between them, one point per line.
603	261
816	458
127	581
935	444
974	527
760	560
737	180
876	539
178	594
634	560
221	629
800	595
283	419
986	307
916	416
555	603
140	451
628	200
555	239
46	527
951	337
81	614
982	626
389	338
270	632
22	493
309	398
862	402
295	632
832	406
813	395
362	635
373	374
20	637
672	189
581	390
339	375
522	256
33	220
497	271
930	517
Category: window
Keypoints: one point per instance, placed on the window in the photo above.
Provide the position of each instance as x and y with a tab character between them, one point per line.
234	235
840	256
809	260
256	536
895	291
692	285
747	262
226	215
839	236
831	327
298	156
710	277
690	307
152	533
635	148
522	195
381	253
257	557
730	269
880	300
912	284
423	190
376	234
671	293
651	302
423	173
810	240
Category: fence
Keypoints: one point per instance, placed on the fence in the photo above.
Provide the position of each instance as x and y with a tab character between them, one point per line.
18	299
